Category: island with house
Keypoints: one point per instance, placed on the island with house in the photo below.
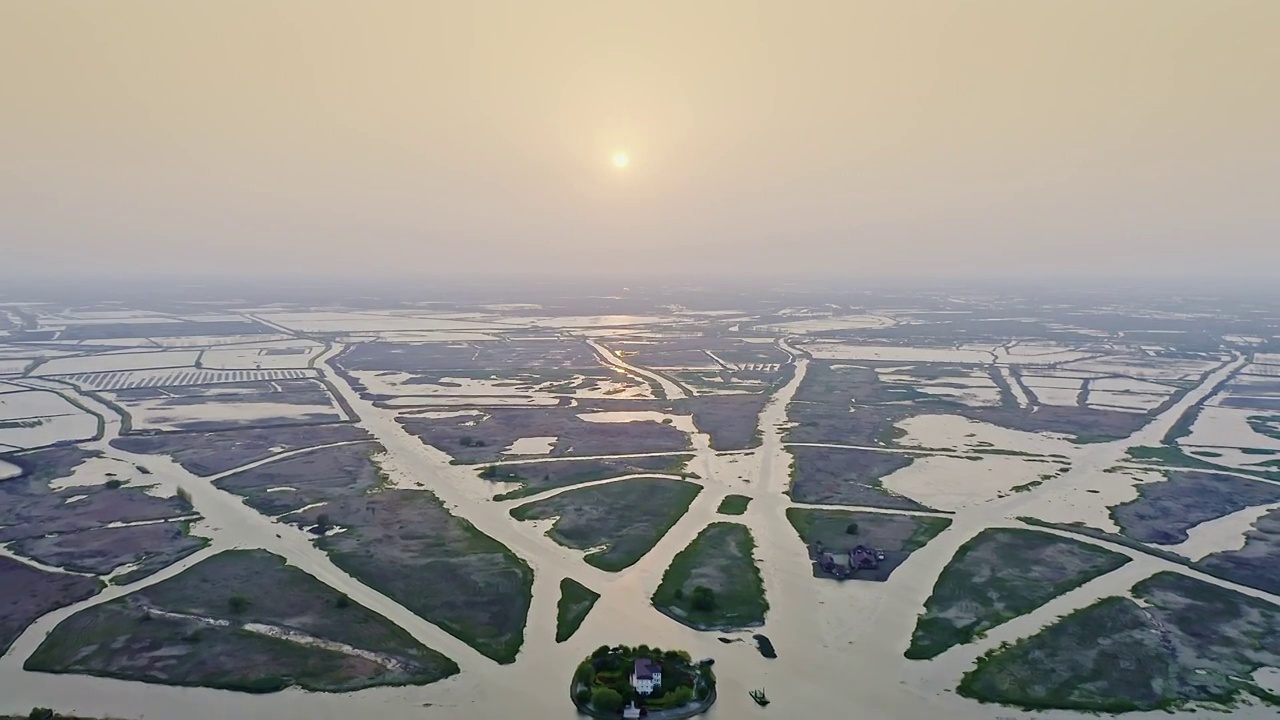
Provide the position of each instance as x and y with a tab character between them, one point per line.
636	682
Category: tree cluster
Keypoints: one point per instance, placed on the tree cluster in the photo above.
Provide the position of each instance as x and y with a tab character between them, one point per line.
603	680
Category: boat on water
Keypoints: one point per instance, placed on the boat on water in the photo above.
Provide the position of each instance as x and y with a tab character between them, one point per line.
759	697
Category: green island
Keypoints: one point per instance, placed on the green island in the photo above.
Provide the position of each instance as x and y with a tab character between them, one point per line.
576	600
406	545
877	542
998	575
626	518
1178	642
714	583
734	505
625	682
242	620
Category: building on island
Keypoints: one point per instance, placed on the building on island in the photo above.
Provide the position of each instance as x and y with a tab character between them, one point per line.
647	676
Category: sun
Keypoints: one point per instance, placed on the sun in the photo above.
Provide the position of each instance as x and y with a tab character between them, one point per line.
621	161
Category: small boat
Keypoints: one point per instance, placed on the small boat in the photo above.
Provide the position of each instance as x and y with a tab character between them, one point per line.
759	697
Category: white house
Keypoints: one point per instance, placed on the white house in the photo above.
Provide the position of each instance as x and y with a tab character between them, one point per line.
647	676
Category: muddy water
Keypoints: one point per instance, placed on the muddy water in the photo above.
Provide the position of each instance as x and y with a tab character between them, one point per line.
840	644
1222	534
9	470
669	387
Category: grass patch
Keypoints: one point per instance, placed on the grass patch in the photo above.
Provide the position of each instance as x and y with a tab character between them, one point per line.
576	600
195	630
1028	487
1099	659
406	545
1163	512
26	594
1174	456
841	476
536	477
734	505
617	523
1189	642
998	575
714	583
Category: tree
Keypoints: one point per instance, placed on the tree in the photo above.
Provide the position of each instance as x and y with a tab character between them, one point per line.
586	673
322	521
679	593
681	695
601	652
583	695
606	700
704	599
113	484
41	714
851	529
238	603
342	602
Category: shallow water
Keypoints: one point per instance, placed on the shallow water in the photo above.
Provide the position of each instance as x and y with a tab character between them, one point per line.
839	644
9	470
1222	534
540	445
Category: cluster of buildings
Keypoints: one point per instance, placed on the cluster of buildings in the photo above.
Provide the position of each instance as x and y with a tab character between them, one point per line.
860	557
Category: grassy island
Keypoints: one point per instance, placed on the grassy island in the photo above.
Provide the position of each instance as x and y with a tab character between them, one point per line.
734	505
998	575
242	620
1175	643
616	523
576	600
714	583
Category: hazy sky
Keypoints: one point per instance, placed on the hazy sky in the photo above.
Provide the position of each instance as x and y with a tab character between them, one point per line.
429	138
